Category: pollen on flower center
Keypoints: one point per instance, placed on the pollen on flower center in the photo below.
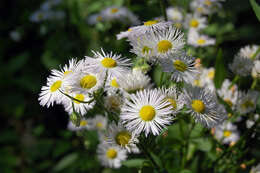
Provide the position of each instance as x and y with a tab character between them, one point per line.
122	138
114	10
99	125
173	103
111	153
163	46
227	133
114	83
229	102
150	22
179	65
201	41
198	106
147	113
83	123
79	97
194	23
88	81
55	86
146	50
109	62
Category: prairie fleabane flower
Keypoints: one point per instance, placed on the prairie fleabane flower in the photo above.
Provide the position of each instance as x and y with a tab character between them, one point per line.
197	40
249	51
174	14
247	101
203	106
99	123
118	135
83	125
241	66
111	156
146	111
195	22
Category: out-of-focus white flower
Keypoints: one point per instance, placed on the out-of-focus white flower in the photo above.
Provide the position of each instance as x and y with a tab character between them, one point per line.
197	40
99	123
174	14
249	51
195	22
251	122
241	66
94	18
255	169
247	101
83	125
256	69
205	78
15	35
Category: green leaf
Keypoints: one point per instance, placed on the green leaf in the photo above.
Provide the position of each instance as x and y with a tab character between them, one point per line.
185	171
203	144
134	163
156	159
220	70
65	162
256	8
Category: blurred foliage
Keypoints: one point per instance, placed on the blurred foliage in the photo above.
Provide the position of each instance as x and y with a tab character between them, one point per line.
35	139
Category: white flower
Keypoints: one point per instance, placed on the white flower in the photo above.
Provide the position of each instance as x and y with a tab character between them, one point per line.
83	125
203	106
247	101
174	97
134	81
241	66
94	18
227	133
255	169
118	135
112	64
15	35
181	67
50	93
113	101
256	69
111	156
79	107
197	40
99	123
229	95
251	122
249	51
39	16
205	78
124	34
168	41
146	111
174	14
195	22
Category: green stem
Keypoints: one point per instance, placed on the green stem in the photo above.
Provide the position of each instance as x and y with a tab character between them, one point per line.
254	84
256	52
234	81
161	78
163	9
76	99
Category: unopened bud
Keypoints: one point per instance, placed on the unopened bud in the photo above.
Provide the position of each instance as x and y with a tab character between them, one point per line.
75	119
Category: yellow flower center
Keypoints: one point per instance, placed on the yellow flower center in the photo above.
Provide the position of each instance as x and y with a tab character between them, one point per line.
227	133
56	85
150	22
108	62
146	50
147	113
211	74
178	25
111	153
179	65
99	18
114	10
173	103
88	81
67	72
247	104
129	29
194	23
122	138
198	106
201	41
99	125
229	102
79	97
83	123
196	82
163	46
114	83
199	9
207	2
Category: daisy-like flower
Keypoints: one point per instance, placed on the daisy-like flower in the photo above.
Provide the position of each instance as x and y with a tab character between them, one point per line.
247	101
39	16
84	82
197	40
168	41
146	111
256	69
112	64
255	169
112	85
111	156
174	97
241	66
118	135
203	106
113	12
50	93
124	34
251	122
79	107
249	51
134	81
83	125
99	123
15	35
174	14
94	18
195	22
229	95
227	133
113	102
205	78
181	67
